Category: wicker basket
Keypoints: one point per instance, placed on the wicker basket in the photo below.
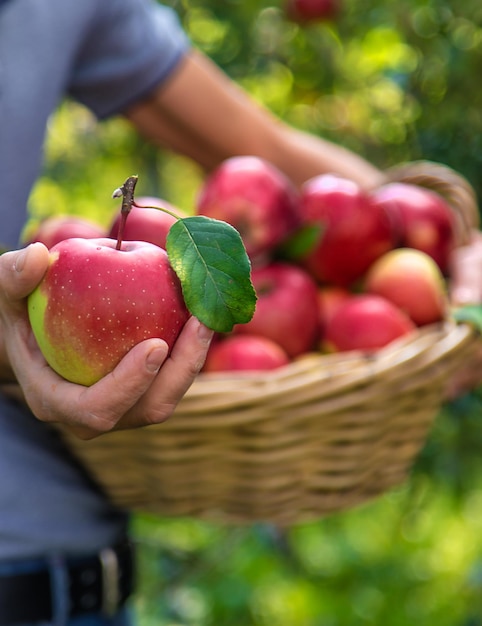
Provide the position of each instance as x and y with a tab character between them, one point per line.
320	435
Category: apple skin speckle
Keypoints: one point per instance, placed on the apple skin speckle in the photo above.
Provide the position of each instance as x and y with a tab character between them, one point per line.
95	303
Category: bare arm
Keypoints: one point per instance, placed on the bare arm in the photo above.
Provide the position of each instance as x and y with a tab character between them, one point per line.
204	115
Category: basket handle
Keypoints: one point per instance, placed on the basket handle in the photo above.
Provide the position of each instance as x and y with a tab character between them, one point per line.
456	189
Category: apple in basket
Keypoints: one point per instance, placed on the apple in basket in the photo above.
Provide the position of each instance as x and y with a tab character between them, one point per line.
365	322
59	227
256	198
245	353
354	232
304	11
423	219
287	307
330	298
99	297
146	222
413	281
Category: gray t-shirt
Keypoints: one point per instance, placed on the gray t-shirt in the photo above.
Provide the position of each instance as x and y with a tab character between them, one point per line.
89	50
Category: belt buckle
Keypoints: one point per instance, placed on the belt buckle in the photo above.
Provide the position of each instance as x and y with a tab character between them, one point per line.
110	581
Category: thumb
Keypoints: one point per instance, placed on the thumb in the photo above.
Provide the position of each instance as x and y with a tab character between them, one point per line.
22	270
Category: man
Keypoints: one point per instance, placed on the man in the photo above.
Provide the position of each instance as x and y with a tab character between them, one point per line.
62	545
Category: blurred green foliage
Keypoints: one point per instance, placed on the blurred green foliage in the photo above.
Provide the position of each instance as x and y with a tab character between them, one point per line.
394	81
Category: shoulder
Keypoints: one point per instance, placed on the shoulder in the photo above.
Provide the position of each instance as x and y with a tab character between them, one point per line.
134	43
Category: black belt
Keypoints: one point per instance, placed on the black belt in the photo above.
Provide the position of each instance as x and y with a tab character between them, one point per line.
99	584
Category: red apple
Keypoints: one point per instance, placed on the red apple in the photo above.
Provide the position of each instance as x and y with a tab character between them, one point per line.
147	224
96	302
256	198
366	322
413	281
354	232
59	227
330	298
286	309
423	219
245	353
303	11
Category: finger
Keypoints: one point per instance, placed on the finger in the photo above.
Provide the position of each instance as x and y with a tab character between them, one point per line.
91	411
22	270
175	376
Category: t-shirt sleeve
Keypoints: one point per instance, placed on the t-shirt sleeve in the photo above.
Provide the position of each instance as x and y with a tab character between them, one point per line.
133	47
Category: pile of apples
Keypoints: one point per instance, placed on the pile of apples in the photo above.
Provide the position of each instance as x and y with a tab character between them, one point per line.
335	268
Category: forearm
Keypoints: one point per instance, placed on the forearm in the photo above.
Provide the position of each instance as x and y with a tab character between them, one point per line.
303	156
201	113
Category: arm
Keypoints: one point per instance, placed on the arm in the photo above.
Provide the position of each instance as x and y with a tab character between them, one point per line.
202	114
143	389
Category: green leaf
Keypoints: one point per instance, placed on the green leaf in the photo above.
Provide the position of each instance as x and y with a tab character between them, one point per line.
301	242
210	260
471	314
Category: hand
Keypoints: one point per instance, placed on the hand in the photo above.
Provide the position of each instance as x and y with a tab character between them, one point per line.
143	389
466	272
466	288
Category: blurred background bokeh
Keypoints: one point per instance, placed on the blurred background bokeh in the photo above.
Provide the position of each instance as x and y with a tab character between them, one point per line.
395	81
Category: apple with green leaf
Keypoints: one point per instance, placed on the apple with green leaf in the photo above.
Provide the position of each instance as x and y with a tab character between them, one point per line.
100	297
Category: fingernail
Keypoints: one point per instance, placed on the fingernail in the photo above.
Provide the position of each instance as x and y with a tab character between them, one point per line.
20	260
204	333
155	359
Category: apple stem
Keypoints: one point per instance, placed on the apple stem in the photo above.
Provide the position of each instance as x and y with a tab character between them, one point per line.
127	193
159	208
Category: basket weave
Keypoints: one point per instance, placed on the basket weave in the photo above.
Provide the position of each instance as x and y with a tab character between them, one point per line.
323	434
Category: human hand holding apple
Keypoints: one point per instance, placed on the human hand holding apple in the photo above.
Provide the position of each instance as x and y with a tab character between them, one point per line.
144	388
118	294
